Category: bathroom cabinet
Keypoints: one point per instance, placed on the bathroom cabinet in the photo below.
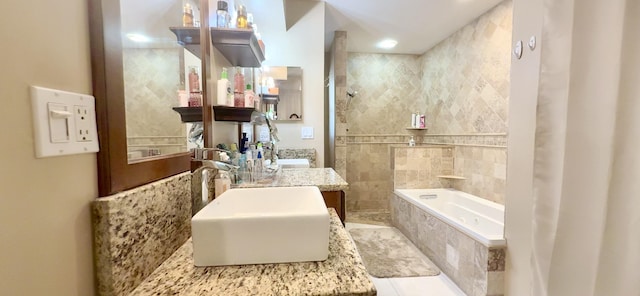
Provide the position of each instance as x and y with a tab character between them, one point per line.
335	199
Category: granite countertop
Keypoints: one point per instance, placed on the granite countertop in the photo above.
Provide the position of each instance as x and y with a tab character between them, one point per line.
343	273
325	178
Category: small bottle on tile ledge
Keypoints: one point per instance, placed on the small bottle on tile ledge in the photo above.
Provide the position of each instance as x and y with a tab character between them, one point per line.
412	142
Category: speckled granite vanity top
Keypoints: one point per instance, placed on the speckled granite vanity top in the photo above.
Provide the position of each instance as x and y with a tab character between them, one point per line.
325	178
343	273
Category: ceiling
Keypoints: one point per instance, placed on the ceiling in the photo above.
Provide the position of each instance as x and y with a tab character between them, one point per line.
417	25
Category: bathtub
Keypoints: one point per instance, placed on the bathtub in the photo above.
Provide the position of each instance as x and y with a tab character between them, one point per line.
480	219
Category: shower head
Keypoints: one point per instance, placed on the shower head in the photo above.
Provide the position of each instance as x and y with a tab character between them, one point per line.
352	93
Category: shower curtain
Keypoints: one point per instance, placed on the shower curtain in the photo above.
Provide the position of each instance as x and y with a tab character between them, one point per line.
586	226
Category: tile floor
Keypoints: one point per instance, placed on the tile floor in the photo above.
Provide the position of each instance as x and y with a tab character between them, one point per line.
439	285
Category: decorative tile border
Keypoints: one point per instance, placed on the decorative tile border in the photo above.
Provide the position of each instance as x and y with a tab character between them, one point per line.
497	140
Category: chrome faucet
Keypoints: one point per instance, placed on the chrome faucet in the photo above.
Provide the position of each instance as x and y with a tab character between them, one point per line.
200	177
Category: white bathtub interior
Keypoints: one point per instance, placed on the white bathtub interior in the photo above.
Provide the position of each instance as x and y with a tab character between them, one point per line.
478	218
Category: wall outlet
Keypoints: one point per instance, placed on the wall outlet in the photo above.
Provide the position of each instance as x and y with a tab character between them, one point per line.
64	122
84	118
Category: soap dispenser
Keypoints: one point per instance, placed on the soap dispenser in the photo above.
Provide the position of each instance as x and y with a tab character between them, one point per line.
412	142
222	183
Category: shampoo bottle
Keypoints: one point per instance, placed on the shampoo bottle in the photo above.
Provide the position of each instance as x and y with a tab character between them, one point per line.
249	97
224	89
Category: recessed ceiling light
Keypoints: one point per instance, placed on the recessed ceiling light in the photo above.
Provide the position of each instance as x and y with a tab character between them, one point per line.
387	44
138	37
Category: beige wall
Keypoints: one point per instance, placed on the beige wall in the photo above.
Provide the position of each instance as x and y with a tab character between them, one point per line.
301	46
45	225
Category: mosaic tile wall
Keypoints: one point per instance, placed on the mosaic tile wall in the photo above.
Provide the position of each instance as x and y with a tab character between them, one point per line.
479	270
462	85
150	222
151	80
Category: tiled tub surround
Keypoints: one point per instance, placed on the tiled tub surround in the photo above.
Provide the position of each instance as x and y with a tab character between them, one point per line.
343	273
136	230
420	166
474	267
461	84
480	158
485	170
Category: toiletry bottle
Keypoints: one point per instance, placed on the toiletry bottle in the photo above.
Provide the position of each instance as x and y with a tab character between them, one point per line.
224	89
238	91
194	80
259	166
249	97
249	21
222	20
413	120
187	16
416	123
195	95
222	183
241	21
422	121
412	142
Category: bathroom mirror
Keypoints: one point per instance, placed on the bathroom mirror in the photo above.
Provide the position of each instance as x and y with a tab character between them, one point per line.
113	50
159	74
281	92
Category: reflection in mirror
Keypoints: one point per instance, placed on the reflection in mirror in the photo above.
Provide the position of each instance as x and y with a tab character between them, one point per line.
281	92
158	74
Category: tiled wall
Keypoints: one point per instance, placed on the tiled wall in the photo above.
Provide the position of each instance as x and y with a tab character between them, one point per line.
465	78
136	230
485	170
479	270
419	167
369	176
461	85
389	89
340	75
151	80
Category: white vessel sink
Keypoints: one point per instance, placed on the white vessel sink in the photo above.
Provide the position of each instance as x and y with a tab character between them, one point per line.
262	225
293	163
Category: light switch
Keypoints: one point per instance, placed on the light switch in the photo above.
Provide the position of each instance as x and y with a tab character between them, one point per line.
264	134
307	132
64	122
58	123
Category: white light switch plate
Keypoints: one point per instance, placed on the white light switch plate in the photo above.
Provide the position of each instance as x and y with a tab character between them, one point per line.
64	122
307	132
